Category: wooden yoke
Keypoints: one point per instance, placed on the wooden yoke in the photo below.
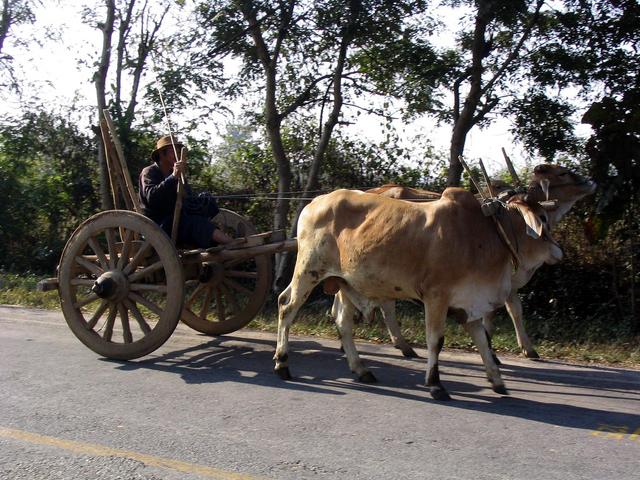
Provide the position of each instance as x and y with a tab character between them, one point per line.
515	258
118	171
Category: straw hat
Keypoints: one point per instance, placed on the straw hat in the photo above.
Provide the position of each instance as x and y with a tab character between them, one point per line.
164	142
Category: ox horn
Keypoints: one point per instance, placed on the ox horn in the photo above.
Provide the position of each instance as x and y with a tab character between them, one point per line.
544	184
512	171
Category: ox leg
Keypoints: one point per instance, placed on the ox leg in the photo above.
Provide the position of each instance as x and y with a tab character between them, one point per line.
514	307
489	327
435	316
389	315
479	336
345	311
289	302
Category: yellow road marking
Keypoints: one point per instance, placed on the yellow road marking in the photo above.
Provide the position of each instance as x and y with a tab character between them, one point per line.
104	451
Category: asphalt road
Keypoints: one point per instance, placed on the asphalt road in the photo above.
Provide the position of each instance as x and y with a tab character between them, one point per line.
202	407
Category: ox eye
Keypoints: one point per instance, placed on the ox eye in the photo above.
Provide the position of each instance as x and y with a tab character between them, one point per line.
543	217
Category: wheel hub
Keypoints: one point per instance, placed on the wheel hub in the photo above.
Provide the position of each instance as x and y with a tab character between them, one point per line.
112	285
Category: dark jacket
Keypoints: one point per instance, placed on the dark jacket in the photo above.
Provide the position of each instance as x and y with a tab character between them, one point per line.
157	193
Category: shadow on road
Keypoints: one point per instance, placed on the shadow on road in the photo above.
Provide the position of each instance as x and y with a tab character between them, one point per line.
223	360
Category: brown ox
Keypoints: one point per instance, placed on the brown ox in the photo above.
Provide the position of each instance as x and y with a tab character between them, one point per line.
445	253
547	181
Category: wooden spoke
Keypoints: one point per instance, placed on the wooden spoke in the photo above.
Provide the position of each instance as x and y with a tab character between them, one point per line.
219	306
91	298
148	287
124	255
86	282
154	267
96	316
239	274
108	329
90	266
147	303
195	293
137	258
124	319
236	286
235	307
232	263
144	326
95	246
111	245
205	305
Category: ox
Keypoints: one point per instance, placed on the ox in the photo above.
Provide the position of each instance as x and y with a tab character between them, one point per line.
445	253
547	181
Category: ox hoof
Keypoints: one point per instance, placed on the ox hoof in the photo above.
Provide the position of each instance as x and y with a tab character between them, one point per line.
439	393
367	377
283	373
531	354
501	390
496	359
409	353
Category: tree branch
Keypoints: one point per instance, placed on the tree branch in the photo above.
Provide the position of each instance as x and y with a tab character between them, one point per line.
516	50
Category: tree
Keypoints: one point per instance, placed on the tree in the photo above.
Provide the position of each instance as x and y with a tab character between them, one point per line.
297	57
483	74
13	14
48	188
133	51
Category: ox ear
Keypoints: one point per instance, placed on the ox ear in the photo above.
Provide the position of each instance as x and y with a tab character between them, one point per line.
534	224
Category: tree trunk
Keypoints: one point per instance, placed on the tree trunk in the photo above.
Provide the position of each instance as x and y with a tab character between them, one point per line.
100	78
464	120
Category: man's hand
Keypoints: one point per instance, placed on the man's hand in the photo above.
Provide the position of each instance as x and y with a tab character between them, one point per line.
178	169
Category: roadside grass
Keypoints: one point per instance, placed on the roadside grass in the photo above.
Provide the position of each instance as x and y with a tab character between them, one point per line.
21	290
314	320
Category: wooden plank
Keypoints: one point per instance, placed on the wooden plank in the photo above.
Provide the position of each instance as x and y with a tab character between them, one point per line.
123	164
106	142
119	185
47	285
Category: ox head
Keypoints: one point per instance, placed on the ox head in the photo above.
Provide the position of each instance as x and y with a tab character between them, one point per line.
537	226
557	188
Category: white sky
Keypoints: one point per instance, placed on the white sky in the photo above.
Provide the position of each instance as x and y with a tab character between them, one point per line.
53	69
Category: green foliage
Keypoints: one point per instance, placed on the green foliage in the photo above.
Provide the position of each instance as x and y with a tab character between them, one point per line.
21	290
542	124
591	295
243	171
48	188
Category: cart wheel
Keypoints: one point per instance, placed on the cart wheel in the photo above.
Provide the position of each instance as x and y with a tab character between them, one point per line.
228	295
121	284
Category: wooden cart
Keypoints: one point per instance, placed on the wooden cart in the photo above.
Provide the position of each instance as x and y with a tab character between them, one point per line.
124	285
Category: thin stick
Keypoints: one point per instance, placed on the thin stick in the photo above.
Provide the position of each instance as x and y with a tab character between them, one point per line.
466	167
178	208
512	171
486	178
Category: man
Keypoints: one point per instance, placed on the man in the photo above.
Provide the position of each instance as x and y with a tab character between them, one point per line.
157	187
